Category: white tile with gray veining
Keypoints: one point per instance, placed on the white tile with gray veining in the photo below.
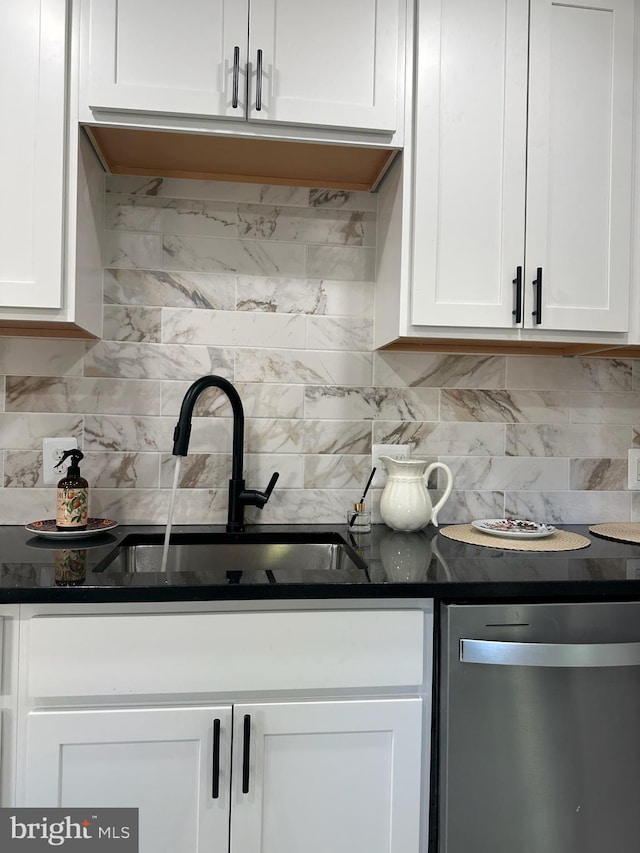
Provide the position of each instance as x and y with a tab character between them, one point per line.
220	255
197	470
118	434
208	435
437	370
40	357
121	470
200	218
336	471
507	472
244	193
443	439
279	435
25	431
347	199
207	471
281	295
258	400
305	296
504	406
606	475
133	213
229	328
605	408
132	323
407	404
305	506
131	250
137	506
170	289
463	507
155	361
21	506
569	507
345	263
339	227
308	368
134	185
82	395
340	333
572	374
23	469
567	440
342	437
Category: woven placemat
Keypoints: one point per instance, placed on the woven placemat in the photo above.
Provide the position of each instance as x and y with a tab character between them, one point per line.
562	540
621	531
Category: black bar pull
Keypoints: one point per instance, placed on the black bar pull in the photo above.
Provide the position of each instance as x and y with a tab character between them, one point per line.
215	783
517	311
537	283
246	750
236	76
259	82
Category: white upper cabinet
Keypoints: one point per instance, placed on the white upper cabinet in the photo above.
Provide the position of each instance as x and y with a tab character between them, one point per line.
579	169
523	163
330	64
168	57
32	145
52	185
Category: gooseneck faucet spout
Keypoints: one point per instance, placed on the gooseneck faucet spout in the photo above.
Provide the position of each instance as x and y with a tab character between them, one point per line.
239	496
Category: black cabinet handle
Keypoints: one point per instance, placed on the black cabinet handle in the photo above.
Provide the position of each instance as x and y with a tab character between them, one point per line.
537	283
246	749
517	281
236	76
215	783
259	82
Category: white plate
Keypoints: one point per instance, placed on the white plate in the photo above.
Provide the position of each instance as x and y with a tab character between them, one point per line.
48	530
499	527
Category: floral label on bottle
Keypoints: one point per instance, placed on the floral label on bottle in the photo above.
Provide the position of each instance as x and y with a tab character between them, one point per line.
72	508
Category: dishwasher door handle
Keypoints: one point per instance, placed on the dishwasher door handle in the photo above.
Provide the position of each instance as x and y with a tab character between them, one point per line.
549	654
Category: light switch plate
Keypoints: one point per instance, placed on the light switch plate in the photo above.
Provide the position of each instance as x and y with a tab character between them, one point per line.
52	450
395	451
633	469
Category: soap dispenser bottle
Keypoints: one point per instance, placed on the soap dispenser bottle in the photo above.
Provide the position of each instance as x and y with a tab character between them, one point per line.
72	502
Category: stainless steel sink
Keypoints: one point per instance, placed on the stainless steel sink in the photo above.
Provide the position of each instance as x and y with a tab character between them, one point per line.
241	558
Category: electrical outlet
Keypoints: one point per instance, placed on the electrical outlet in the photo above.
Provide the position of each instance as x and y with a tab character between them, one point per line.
633	469
395	451
52	450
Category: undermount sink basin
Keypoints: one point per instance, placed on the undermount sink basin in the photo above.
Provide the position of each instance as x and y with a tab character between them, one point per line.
240	557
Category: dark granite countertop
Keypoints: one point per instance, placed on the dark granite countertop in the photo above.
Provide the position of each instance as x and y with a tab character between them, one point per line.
399	565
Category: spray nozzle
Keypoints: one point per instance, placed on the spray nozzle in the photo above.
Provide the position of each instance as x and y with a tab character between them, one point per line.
76	456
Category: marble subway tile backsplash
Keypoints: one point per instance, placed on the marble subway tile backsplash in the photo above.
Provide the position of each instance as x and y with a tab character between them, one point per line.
273	288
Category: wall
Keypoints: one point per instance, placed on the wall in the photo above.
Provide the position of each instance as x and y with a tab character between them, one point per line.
272	287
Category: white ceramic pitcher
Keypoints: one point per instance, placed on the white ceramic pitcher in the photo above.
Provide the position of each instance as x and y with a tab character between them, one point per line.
405	503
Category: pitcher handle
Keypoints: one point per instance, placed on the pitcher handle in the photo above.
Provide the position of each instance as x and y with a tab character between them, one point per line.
447	490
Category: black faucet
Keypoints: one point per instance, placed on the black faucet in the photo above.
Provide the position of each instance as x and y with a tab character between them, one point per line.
239	497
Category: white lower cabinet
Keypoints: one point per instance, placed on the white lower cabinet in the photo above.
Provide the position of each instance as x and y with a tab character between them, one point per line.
280	777
341	776
159	760
272	731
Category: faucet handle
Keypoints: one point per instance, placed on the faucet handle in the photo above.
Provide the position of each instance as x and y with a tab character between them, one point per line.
270	487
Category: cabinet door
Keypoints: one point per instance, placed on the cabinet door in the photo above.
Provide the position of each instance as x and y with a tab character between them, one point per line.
579	162
340	776
470	123
32	105
163	56
326	63
159	760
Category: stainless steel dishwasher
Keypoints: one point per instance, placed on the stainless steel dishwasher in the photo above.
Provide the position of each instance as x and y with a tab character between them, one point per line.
540	728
